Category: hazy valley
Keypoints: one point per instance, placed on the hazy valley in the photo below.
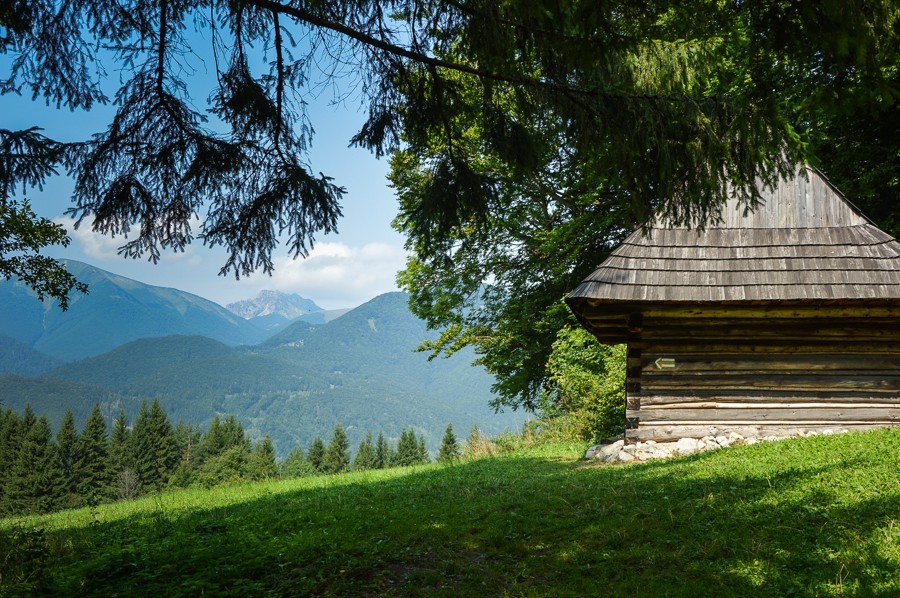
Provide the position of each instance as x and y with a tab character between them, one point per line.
291	378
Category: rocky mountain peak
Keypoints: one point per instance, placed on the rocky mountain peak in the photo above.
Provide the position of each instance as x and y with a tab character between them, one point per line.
268	302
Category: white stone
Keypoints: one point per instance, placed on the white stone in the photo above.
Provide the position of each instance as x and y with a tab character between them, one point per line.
722	441
735	438
605	452
687	446
712	446
591	452
750	440
661	453
626	456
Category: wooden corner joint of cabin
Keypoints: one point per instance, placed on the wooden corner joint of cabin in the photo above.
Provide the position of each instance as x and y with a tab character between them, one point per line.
633	368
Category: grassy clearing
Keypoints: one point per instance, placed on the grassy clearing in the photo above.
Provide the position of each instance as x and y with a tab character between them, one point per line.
815	516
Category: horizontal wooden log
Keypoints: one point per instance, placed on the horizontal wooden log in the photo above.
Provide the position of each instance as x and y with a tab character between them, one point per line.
764	312
767	396
668	432
732	362
894	402
776	376
737	321
781	333
785	383
772	347
818	415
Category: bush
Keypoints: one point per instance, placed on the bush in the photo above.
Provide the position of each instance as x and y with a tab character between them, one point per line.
585	398
23	560
478	445
228	468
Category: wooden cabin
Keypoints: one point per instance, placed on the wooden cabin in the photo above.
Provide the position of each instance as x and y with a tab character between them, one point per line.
777	321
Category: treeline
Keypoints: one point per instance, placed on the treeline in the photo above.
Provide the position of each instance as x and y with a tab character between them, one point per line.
41	472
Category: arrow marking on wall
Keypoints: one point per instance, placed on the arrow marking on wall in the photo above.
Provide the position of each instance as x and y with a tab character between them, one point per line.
665	363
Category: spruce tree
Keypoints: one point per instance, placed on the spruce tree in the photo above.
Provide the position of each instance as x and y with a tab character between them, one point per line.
449	452
141	449
67	452
233	433
166	451
407	449
121	465
316	453
229	467
93	459
296	465
9	451
187	441
365	455
423	457
153	447
212	442
35	484
337	456
382	452
222	436
28	420
261	464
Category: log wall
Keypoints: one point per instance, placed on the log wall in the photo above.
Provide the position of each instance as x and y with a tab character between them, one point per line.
761	372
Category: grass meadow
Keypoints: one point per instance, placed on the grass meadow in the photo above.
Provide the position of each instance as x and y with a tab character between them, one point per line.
815	516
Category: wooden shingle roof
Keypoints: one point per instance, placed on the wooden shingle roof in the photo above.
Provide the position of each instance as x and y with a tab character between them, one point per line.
805	243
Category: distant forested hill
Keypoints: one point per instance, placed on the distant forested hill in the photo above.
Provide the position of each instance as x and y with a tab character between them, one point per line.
116	310
18	358
359	369
53	397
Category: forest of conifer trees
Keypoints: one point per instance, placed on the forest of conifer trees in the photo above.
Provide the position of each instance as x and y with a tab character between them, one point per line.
41	472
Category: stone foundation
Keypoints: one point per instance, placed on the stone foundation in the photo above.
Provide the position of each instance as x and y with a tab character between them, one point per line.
645	451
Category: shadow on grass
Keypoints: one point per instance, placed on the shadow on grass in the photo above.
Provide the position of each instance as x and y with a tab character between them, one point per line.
808	517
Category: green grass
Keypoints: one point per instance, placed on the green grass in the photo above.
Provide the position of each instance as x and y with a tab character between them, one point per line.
817	516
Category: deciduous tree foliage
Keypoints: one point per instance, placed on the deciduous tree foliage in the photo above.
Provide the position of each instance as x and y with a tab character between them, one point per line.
296	465
668	102
585	392
817	81
27	158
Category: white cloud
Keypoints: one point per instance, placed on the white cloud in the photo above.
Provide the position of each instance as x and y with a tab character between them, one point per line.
95	245
336	274
105	248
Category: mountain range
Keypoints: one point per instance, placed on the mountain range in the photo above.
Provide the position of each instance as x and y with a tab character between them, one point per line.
273	310
199	359
116	310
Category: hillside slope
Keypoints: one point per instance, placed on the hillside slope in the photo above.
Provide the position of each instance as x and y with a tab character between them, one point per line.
808	517
360	370
115	311
18	358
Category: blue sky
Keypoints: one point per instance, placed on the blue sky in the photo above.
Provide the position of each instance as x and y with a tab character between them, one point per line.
344	269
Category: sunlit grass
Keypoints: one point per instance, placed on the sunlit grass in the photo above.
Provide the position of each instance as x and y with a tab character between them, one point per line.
816	516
